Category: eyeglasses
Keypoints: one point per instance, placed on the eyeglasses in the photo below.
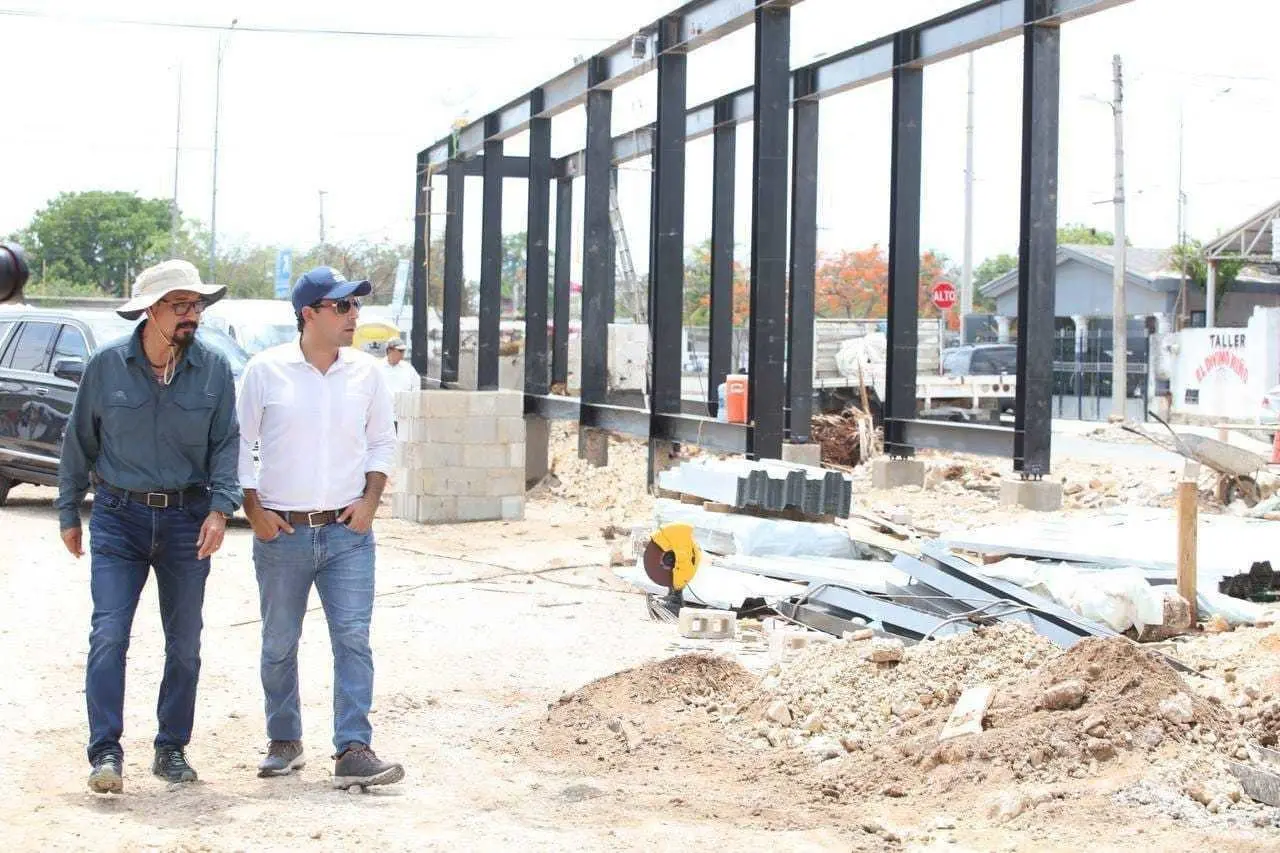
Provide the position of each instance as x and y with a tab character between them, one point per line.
182	309
339	306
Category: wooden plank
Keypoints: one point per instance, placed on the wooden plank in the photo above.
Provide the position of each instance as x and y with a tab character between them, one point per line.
1188	528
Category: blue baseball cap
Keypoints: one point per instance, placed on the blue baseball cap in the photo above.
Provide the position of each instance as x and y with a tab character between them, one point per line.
325	283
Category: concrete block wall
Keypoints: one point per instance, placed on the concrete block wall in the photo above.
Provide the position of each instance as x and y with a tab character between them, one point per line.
460	456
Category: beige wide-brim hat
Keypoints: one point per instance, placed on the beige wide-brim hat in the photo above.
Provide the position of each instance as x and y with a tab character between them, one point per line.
154	283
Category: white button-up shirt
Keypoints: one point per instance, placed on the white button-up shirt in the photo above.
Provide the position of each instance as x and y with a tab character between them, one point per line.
400	377
318	433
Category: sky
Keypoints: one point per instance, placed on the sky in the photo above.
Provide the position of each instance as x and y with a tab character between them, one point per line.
93	104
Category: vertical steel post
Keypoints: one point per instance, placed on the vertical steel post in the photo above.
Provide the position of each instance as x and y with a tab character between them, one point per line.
597	244
723	173
418	335
904	245
536	270
560	310
490	265
1038	238
666	232
450	336
804	258
766	384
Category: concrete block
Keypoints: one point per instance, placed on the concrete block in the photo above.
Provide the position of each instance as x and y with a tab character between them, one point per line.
593	446
486	456
441	403
481	431
788	641
405	404
802	454
536	449
896	473
504	483
440	456
510	430
448	430
516	458
437	509
510	404
1037	495
479	509
443	482
398	481
512	509
698	623
482	404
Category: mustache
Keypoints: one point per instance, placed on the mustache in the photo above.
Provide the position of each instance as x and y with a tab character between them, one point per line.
187	325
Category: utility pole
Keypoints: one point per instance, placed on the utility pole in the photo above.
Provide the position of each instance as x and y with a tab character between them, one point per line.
966	281
1119	317
322	231
217	110
1182	234
177	150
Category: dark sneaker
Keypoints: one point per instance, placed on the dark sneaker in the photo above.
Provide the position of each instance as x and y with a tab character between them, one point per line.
171	765
283	757
357	765
107	776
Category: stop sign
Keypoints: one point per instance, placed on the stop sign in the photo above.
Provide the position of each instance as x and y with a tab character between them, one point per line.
944	295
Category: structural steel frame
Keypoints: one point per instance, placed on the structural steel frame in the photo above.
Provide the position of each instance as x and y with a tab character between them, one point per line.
783	106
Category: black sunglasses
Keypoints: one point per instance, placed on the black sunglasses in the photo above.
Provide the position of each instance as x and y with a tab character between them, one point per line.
339	306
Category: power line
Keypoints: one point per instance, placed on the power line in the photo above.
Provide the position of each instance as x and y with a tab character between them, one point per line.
304	31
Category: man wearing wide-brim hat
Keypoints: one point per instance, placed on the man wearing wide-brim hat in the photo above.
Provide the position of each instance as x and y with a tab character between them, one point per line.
154	423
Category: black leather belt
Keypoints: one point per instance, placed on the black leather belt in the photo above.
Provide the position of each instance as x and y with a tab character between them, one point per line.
309	518
159	500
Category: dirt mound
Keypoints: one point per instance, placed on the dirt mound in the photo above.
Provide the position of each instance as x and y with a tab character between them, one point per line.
1082	709
655	708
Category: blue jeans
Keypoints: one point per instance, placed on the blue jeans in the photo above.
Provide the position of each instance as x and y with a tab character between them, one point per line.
126	540
339	562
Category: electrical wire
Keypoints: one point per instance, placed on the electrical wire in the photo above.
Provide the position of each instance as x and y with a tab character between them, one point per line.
304	31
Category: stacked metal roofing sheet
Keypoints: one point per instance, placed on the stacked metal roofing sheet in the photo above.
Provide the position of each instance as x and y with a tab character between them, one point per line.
767	484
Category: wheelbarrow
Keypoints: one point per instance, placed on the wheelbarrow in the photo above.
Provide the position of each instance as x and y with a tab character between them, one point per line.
1234	466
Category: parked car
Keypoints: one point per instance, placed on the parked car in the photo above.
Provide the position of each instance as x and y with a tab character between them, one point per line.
980	360
43	353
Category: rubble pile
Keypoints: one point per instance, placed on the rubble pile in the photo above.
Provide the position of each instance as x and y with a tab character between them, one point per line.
847	439
616	492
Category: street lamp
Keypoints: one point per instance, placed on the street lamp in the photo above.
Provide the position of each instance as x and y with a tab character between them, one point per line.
217	108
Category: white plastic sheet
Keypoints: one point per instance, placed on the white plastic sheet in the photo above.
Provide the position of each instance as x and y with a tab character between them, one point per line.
1118	598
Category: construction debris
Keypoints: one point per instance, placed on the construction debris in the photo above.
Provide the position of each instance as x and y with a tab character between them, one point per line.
847	439
766	484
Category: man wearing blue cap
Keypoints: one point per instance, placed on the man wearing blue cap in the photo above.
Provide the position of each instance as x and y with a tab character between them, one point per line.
322	416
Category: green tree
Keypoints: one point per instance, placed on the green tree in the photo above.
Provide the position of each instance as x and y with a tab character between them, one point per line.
99	238
1078	234
1190	258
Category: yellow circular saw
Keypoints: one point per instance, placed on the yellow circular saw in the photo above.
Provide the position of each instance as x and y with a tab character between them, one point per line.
671	558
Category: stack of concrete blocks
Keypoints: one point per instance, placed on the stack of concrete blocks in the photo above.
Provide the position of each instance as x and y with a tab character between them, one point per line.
460	456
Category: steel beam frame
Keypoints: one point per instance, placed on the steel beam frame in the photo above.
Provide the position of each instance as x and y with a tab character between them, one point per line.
804	260
537	270
767	332
451	308
775	388
904	244
490	269
1038	240
419	335
723	175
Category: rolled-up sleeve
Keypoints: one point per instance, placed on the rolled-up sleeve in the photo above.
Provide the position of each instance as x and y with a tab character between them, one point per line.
380	429
80	447
224	449
249	410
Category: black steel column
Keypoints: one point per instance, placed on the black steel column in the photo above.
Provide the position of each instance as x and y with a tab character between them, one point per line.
804	258
536	270
560	311
418	335
597	244
490	268
723	173
904	246
666	232
1037	258
766	394
451	308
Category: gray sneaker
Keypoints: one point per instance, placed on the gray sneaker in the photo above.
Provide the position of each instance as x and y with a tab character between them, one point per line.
283	757
357	765
107	776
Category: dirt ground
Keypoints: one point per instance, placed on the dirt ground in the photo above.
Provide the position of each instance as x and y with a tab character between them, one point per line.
502	653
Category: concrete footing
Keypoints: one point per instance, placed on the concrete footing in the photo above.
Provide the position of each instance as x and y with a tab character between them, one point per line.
1037	495
593	446
537	449
802	454
896	473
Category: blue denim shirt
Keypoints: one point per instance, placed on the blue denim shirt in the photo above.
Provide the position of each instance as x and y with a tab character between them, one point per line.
139	435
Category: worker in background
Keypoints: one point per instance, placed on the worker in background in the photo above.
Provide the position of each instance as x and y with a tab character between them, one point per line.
155	422
322	415
398	372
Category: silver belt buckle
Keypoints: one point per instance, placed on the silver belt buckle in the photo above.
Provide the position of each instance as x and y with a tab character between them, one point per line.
163	499
311	522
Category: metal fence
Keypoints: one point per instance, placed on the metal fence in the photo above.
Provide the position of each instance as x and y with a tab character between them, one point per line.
1082	375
